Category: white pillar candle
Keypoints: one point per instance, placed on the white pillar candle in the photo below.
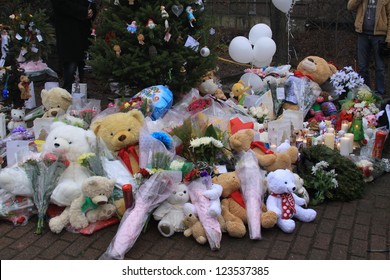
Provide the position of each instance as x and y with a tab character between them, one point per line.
345	144
3	131
344	127
329	140
331	130
350	136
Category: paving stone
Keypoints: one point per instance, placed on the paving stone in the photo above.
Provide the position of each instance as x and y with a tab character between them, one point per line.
279	250
317	254
55	249
339	252
342	236
28	253
349	208
360	232
363	218
322	241
79	245
345	222
301	245
332	211
326	226
359	248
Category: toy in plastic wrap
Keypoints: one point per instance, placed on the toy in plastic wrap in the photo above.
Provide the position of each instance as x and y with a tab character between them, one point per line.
160	97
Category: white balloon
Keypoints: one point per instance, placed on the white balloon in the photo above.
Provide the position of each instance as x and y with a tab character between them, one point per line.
259	30
240	49
264	49
283	5
251	79
261	64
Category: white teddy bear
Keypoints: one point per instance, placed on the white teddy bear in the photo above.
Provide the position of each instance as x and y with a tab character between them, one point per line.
68	140
170	212
17	119
214	194
284	202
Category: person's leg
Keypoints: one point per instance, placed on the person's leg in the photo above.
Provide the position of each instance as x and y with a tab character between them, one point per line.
69	73
363	54
380	67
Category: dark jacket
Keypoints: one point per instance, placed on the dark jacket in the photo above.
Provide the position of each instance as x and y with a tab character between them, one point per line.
73	28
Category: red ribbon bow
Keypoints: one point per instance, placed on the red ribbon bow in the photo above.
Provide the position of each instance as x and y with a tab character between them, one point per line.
124	154
299	74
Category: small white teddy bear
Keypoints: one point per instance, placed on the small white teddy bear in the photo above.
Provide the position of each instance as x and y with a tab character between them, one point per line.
17	119
214	194
284	202
170	213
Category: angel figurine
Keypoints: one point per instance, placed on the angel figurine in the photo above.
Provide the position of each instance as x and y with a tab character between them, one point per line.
190	15
132	28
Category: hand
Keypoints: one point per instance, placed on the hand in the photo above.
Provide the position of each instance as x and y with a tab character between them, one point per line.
90	13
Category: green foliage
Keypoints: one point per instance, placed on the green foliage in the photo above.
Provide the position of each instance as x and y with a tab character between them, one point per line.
156	61
349	177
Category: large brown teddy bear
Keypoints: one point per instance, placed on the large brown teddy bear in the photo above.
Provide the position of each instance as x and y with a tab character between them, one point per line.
56	101
120	132
232	204
317	69
268	160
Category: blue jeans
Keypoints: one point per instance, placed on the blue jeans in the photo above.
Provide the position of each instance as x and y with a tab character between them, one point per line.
367	45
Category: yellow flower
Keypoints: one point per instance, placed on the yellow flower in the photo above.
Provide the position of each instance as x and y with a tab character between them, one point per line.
126	105
83	157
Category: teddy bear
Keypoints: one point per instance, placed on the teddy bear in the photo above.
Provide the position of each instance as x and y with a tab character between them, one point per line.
317	69
71	142
209	85
284	202
120	132
24	87
268	160
170	213
233	206
194	228
56	101
238	91
17	119
92	205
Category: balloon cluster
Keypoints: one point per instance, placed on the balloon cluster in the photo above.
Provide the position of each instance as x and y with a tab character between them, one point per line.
257	50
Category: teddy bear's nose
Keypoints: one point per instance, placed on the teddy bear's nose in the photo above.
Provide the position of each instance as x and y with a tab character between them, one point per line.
122	137
294	188
101	202
56	145
54	113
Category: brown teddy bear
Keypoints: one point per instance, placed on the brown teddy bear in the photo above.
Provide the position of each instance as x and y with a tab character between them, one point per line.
209	85
24	87
194	228
233	211
268	160
56	102
120	132
317	69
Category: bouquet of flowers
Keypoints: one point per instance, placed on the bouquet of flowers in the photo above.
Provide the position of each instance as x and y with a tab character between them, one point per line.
260	113
44	173
150	195
93	163
345	80
85	110
138	103
322	183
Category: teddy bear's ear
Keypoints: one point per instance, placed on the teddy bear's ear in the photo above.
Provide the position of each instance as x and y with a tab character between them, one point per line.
137	115
91	138
95	126
66	96
44	92
332	68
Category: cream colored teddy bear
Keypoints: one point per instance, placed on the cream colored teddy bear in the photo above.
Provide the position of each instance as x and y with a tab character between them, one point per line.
91	206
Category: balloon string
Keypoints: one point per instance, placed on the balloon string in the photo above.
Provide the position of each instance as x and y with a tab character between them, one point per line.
233	62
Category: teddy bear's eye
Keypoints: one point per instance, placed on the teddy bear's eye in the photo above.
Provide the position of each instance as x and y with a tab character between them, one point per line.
112	134
55	138
129	129
190	215
58	106
285	183
70	142
184	191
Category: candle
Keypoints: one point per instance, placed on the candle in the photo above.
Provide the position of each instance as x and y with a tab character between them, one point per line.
309	140
345	144
344	127
331	130
350	136
329	140
3	131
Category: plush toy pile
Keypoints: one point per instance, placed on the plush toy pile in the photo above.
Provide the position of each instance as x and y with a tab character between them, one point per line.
207	165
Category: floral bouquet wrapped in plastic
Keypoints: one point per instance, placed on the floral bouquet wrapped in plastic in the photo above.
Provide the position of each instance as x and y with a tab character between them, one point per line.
198	188
149	196
252	180
86	111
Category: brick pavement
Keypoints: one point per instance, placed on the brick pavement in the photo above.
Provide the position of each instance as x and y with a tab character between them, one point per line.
340	231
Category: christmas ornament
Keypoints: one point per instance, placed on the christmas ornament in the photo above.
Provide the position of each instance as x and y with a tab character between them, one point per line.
116	2
167	36
5	91
131	2
132	28
177	9
165	16
200	4
183	70
205	52
117	50
152	51
141	39
190	15
150	24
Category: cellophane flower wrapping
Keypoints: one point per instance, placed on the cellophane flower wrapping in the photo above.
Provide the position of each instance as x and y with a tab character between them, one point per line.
150	195
17	209
44	174
252	180
86	111
196	188
303	92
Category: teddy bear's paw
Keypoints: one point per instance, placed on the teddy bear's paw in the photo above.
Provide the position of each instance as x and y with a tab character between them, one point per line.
55	225
287	226
237	230
106	212
201	240
269	219
79	222
166	229
307	215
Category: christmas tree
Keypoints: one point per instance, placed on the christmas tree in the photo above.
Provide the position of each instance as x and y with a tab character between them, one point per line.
146	43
